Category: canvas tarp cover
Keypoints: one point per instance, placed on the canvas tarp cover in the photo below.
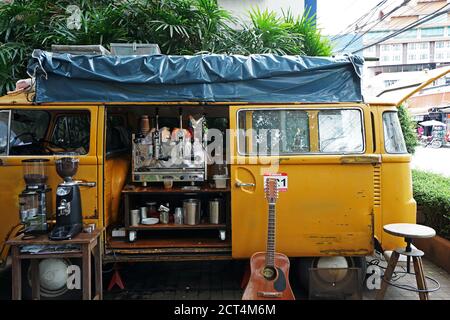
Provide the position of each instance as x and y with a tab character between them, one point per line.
258	78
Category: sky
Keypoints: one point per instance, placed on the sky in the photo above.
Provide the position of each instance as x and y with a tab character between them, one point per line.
335	15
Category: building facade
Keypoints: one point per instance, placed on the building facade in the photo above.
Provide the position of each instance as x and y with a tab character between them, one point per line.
425	47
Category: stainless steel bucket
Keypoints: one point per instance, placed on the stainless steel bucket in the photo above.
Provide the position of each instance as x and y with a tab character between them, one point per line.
191	211
214	211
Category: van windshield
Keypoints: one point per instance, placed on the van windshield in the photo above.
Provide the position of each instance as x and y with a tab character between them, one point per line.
393	135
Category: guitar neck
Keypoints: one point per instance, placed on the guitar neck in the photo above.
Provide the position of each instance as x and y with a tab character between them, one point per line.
270	255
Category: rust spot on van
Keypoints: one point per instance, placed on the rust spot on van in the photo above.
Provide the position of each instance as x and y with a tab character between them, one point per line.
345	252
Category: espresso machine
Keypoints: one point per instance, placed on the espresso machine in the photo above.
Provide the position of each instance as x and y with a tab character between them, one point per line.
35	200
69	220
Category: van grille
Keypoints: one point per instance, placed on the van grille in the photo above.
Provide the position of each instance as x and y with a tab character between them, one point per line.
376	185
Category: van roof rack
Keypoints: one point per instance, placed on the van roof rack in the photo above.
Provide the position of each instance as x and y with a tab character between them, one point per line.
80	49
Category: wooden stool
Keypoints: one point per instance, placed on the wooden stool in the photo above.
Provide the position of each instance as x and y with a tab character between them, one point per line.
409	232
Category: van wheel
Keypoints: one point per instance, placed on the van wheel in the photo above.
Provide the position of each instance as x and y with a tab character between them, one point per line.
53	279
304	264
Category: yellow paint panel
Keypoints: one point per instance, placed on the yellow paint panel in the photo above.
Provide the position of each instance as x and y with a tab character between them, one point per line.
327	209
12	183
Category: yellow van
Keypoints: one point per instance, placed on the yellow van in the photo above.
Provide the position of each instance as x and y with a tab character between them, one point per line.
345	167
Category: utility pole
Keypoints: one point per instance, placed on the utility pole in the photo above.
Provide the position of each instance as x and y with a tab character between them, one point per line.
310	6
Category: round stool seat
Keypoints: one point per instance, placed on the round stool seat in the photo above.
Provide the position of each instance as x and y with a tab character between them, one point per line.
409	230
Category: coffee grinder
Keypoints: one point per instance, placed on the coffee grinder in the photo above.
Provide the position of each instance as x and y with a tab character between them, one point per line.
68	200
35	201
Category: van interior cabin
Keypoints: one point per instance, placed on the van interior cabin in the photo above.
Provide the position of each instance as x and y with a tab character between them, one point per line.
129	187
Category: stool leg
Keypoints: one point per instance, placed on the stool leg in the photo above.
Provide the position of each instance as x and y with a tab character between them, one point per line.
86	272
16	274
387	275
420	278
35	281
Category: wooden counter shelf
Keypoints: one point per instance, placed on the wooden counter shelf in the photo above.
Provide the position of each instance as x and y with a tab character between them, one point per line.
172	226
169	243
133	189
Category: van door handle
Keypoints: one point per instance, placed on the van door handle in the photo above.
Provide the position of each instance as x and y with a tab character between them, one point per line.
369	159
242	184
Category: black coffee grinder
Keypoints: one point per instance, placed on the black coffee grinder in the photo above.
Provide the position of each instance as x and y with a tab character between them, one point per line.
69	220
35	200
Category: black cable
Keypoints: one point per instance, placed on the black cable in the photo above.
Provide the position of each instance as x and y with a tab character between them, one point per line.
404	3
408	27
344	32
395	277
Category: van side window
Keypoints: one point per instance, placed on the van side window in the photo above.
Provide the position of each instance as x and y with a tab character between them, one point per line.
72	131
393	135
273	132
340	131
27	132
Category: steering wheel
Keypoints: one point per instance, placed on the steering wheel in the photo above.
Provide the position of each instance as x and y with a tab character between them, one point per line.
31	134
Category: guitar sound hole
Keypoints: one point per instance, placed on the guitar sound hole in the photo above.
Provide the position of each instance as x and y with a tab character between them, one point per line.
269	273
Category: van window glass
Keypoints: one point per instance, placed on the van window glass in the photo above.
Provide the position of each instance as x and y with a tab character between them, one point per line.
273	132
4	122
117	135
72	132
393	135
340	131
28	129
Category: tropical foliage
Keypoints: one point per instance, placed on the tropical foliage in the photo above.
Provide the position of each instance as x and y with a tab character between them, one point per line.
178	26
408	128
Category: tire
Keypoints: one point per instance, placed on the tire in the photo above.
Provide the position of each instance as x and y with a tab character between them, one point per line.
436	144
304	264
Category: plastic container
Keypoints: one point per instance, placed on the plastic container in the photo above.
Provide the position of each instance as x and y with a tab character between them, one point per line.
35	171
220	181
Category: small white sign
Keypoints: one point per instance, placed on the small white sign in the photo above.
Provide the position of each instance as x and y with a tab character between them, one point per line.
282	180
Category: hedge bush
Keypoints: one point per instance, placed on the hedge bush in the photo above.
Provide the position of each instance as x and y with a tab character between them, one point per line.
432	193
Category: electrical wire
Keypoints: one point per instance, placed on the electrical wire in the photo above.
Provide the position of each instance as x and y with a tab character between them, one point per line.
350	26
359	36
407	9
395	276
414	24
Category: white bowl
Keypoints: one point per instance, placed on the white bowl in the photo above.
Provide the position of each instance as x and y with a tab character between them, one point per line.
150	221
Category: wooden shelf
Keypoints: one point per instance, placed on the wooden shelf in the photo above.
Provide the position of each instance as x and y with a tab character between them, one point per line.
134	189
183	243
172	226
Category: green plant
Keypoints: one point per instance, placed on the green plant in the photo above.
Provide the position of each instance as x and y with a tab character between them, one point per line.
432	193
12	64
408	128
272	35
313	43
178	26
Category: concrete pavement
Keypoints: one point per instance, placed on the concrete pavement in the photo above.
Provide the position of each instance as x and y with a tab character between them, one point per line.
433	160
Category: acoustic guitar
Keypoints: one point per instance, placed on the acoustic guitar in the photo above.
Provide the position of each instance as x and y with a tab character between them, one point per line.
269	278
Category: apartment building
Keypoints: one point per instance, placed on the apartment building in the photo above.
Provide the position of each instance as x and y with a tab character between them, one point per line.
424	47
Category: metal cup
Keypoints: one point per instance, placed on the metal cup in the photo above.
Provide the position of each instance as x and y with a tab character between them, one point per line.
214	211
143	211
134	217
